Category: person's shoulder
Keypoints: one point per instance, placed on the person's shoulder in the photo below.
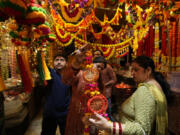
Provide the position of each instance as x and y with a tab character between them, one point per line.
143	89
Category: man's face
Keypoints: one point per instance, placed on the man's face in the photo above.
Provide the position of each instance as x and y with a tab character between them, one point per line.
59	62
99	66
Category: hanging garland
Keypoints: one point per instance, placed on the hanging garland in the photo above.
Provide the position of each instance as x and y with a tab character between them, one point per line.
63	38
13	65
96	35
4	64
105	45
57	19
114	20
70	12
71	16
107	52
156	44
137	27
120	52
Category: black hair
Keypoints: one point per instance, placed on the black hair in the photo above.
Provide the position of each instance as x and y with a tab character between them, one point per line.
100	59
61	55
145	62
100	52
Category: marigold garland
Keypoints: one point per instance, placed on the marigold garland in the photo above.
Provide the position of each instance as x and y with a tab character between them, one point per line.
114	20
71	13
104	52
105	45
140	30
73	16
57	19
108	53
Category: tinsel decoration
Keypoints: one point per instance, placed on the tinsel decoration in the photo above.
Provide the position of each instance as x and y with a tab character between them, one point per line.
4	64
47	74
156	43
40	68
50	61
13	65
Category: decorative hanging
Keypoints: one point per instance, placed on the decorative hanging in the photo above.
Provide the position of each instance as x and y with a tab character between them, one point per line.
4	64
13	65
47	75
17	8
94	100
40	68
156	45
35	15
24	74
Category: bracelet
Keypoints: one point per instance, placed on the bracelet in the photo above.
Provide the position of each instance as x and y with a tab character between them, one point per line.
120	129
114	128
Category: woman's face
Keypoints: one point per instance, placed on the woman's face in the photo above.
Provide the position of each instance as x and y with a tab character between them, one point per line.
139	74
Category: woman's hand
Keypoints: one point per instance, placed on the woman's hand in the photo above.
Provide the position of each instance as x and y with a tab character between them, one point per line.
101	122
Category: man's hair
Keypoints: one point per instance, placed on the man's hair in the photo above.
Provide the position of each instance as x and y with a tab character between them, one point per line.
100	52
61	55
100	59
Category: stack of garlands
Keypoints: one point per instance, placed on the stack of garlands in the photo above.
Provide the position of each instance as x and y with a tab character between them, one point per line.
96	102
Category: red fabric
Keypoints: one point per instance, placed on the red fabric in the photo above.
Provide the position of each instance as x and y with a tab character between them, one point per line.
151	41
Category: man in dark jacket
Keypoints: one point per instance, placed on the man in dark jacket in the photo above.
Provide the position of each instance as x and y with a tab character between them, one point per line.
57	100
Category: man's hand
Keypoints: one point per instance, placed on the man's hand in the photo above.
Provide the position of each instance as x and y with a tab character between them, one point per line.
81	53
